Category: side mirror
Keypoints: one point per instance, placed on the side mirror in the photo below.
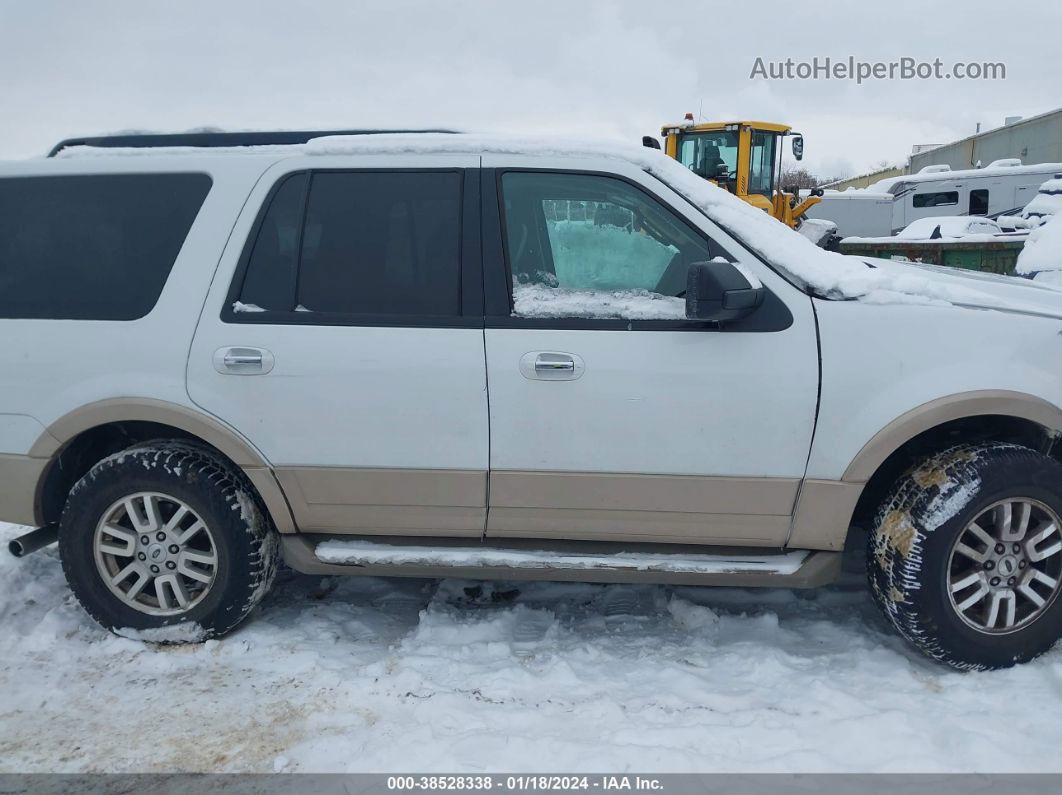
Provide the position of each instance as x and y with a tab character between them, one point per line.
798	146
650	142
721	291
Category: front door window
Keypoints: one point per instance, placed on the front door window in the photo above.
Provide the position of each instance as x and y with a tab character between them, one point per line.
582	245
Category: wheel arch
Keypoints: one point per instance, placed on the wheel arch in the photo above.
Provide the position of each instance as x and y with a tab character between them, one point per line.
76	441
1017	406
826	510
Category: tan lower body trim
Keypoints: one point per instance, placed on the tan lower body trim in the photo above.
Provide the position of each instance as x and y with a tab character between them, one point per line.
680	509
823	513
19	476
386	501
683	509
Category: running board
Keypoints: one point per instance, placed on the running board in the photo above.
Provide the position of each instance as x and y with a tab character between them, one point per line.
675	564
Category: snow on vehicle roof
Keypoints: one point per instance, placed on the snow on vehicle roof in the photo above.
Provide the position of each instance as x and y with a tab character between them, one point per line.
828	274
1047	201
1043	249
950	226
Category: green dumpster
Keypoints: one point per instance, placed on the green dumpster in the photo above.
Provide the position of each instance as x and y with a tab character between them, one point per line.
996	256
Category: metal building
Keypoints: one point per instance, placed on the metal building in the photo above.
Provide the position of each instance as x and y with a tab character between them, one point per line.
1037	139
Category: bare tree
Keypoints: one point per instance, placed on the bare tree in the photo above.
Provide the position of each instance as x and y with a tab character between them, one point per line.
801	178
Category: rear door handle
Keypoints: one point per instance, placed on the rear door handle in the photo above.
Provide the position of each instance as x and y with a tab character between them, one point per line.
551	366
544	364
243	361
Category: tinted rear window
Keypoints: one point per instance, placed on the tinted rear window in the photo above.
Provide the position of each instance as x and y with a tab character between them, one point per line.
92	247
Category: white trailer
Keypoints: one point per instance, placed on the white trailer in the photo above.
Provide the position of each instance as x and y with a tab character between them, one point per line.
888	205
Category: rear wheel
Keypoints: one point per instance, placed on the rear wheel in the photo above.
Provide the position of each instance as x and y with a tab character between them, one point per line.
965	556
166	542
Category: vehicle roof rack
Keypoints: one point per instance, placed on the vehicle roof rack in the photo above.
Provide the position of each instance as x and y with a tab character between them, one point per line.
215	139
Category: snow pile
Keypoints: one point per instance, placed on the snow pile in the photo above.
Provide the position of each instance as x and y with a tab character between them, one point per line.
1043	249
817	230
1046	202
541	300
366	674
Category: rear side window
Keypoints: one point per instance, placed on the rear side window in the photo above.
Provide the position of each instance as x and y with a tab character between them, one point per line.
96	247
368	243
274	261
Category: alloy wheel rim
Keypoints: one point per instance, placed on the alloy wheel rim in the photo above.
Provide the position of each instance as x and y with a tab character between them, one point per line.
155	553
1005	568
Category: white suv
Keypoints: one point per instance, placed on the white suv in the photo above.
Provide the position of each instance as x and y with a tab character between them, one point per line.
437	354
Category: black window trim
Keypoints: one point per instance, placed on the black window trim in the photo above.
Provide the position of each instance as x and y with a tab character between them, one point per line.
469	274
773	315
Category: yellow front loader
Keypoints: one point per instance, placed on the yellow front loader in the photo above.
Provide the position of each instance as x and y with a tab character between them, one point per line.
744	157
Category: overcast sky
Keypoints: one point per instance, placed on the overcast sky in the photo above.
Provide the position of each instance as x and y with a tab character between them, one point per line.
605	69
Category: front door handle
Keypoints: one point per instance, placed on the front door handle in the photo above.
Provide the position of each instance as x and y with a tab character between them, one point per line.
243	361
551	366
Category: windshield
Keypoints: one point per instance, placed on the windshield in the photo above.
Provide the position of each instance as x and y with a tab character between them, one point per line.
712	155
761	167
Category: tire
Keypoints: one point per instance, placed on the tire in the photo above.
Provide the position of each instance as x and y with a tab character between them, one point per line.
928	565
222	568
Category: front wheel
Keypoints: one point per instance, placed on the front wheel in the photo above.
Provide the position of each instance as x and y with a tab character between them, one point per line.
165	542
965	555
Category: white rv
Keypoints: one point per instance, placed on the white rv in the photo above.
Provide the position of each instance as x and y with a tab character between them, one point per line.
888	205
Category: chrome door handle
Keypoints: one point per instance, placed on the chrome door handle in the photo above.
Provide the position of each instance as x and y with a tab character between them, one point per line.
553	365
243	361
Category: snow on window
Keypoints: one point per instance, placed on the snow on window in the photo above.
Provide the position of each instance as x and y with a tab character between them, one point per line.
542	300
239	306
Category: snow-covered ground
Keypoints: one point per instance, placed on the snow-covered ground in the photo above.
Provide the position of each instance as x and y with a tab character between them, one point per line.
385	675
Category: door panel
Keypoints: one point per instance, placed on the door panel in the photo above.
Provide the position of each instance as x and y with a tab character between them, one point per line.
628	507
373	423
671	432
439	502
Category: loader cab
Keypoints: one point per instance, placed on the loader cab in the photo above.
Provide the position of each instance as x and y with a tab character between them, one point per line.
712	155
743	157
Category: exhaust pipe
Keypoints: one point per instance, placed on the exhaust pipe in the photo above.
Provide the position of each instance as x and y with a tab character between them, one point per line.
34	540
